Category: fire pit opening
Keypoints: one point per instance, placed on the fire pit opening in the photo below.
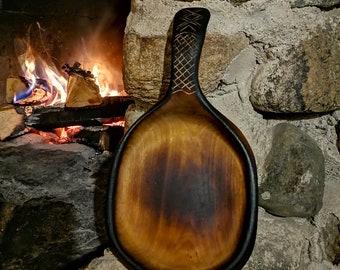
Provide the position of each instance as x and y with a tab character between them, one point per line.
62	65
62	113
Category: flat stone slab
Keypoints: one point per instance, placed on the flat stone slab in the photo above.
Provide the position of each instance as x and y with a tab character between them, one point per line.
52	204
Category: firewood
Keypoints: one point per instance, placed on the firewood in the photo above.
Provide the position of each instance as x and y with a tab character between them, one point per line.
110	138
102	138
38	96
47	118
11	121
14	85
23	92
82	92
76	69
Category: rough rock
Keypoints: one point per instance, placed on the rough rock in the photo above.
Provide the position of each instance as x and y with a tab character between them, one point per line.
39	233
283	247
331	239
338	134
306	79
238	2
336	117
295	173
106	262
327	4
292	52
238	74
52	204
234	2
147	63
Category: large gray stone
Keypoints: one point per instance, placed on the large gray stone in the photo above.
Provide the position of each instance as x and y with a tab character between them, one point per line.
52	204
294	174
305	79
39	234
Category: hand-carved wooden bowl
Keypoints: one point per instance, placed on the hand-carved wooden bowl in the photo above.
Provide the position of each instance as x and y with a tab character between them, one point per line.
183	189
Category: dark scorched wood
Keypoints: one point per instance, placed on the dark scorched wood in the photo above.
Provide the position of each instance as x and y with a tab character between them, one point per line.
47	118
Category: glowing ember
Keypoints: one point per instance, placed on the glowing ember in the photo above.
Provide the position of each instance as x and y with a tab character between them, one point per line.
109	122
66	133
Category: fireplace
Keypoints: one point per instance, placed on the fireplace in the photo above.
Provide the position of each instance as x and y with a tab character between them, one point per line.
64	56
64	33
271	67
61	145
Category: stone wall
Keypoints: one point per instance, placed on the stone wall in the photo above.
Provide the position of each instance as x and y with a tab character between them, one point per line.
272	68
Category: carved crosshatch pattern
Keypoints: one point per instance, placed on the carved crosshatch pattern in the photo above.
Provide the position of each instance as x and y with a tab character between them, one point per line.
184	42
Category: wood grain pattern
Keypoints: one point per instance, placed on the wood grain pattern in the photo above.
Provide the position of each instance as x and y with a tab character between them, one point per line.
180	198
183	189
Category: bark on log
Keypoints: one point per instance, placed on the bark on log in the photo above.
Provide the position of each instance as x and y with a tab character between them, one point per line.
47	118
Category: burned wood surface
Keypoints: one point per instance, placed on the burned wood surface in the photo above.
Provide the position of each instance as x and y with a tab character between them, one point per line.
47	118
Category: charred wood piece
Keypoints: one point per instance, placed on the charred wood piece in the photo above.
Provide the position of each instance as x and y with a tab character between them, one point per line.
48	118
76	69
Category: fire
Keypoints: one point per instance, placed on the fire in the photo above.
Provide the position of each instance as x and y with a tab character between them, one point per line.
47	86
117	122
37	70
66	133
40	75
107	88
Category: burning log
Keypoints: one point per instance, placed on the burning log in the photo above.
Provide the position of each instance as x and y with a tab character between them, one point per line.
36	97
47	118
103	139
14	85
23	92
82	90
11	121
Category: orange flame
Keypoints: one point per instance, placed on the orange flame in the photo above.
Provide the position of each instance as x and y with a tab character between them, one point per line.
105	88
107	77
35	68
66	133
31	64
